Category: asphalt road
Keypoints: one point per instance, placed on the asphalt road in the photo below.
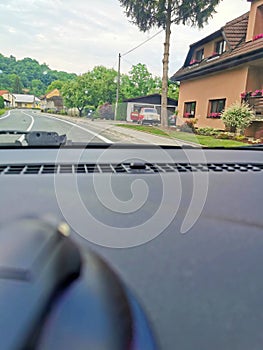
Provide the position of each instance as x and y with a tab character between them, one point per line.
30	120
76	129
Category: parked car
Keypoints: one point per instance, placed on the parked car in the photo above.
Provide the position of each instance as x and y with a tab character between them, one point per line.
149	116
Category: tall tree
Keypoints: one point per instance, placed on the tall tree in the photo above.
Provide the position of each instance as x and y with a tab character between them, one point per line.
76	94
147	14
138	82
56	84
17	87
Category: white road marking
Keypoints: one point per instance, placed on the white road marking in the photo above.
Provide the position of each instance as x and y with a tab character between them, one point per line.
6	116
102	138
22	137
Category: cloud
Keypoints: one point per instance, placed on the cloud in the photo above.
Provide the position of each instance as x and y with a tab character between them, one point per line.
76	35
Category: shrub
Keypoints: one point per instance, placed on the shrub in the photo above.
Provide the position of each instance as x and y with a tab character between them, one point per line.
207	131
240	138
225	135
62	112
2	102
106	111
189	126
238	116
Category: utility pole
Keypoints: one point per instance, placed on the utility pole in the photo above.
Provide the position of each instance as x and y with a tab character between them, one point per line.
118	87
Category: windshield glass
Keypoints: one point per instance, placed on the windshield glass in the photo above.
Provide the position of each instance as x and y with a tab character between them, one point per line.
150	110
86	70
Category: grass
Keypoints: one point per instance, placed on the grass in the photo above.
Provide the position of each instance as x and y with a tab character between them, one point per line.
208	141
144	128
2	111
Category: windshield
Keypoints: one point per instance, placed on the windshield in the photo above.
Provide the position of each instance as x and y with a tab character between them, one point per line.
86	70
150	110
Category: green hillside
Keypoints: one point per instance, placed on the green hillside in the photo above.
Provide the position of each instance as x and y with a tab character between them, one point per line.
27	75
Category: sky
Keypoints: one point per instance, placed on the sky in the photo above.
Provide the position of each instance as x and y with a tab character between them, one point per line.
76	35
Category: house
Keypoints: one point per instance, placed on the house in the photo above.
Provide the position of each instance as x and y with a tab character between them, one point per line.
154	100
7	96
221	68
52	101
25	101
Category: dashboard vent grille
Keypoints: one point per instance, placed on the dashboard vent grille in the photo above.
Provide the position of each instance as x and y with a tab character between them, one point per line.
148	168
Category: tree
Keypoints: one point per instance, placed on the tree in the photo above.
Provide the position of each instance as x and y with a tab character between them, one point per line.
173	90
56	84
102	83
2	102
138	82
17	87
162	14
93	89
76	93
33	76
238	116
37	87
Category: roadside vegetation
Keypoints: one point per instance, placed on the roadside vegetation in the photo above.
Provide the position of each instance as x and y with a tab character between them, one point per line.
208	141
145	128
2	111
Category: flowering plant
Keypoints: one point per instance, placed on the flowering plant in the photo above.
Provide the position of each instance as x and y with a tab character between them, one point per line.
193	61
187	115
244	95
257	93
214	115
258	36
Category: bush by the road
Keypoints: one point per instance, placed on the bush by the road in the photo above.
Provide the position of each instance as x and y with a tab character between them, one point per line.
188	126
238	116
2	102
207	131
2	111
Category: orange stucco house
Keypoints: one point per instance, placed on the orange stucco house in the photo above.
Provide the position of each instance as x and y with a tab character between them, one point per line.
223	68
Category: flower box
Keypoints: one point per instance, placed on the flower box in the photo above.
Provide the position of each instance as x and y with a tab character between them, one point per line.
194	62
214	115
256	93
258	36
246	94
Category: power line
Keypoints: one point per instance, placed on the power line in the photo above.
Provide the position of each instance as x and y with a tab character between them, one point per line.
146	41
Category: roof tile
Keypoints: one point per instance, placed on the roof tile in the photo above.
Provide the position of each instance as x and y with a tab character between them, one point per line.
235	32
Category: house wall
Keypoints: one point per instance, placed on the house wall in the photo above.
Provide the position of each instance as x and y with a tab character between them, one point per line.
255	23
255	79
9	97
228	84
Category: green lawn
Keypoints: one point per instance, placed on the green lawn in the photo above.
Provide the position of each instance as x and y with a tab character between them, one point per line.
207	141
145	128
2	111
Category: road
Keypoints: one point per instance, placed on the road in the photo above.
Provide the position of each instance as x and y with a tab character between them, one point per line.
76	129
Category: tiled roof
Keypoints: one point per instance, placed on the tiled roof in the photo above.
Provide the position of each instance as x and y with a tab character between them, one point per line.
2	92
242	49
235	34
236	30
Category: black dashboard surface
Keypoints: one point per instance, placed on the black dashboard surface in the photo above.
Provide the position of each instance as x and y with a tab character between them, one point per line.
183	229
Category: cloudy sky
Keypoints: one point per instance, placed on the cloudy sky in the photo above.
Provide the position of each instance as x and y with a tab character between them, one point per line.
76	35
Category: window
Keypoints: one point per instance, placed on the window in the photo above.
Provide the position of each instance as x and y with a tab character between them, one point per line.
220	47
216	107
199	55
189	109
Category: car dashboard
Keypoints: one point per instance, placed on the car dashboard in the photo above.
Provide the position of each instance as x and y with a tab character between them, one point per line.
182	228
